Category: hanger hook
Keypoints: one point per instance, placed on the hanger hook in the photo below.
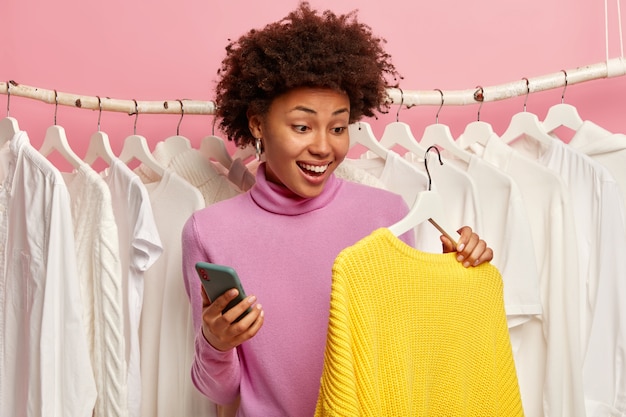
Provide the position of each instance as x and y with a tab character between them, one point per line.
136	117
426	162
527	91
99	111
56	106
440	106
401	103
182	113
564	88
479	96
8	98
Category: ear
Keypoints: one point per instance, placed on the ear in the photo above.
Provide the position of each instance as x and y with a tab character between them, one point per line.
254	124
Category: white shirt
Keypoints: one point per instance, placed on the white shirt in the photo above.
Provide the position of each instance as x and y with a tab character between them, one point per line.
601	215
506	228
44	345
140	247
604	147
167	334
546	349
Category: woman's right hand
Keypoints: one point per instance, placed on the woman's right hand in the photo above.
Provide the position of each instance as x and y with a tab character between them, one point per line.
221	330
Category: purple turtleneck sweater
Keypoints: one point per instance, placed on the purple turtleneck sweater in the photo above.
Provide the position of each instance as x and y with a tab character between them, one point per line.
283	248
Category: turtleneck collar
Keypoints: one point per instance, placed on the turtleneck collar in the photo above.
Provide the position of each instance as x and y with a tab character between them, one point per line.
280	200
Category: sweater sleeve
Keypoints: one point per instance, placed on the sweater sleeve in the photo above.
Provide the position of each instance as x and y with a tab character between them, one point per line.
214	373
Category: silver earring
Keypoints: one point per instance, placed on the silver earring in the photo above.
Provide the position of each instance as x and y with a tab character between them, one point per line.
258	147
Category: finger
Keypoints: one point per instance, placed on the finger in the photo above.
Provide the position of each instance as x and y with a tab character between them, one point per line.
248	327
447	245
465	233
233	314
478	254
222	301
465	250
205	298
486	256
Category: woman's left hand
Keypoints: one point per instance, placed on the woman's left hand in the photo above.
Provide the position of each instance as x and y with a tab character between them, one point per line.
471	249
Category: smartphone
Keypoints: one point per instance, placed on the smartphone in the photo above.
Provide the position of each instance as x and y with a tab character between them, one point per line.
217	279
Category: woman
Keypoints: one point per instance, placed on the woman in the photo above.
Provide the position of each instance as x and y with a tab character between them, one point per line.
291	90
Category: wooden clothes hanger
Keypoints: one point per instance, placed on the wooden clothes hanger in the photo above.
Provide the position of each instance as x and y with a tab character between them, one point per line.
361	133
439	135
562	114
8	126
428	206
136	147
526	124
99	145
56	140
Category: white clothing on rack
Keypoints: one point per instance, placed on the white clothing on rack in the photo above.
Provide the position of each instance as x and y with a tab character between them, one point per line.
507	229
140	247
100	274
166	332
44	346
458	191
194	167
604	147
601	219
547	352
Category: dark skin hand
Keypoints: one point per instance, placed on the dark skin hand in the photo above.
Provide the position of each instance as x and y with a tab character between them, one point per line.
471	249
220	330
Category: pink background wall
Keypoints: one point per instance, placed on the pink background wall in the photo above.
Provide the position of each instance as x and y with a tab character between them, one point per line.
158	50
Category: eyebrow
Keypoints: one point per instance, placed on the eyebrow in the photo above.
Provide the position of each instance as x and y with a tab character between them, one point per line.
311	111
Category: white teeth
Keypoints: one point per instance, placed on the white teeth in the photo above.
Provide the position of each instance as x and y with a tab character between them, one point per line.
315	168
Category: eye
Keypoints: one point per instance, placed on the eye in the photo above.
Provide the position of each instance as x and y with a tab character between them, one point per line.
300	128
338	130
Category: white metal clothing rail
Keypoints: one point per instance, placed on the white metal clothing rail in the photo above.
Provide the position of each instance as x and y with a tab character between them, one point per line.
611	68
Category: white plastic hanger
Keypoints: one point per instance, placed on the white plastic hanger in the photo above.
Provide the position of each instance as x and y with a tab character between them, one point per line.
177	144
56	140
136	147
477	131
361	133
428	206
439	135
8	126
526	124
245	154
214	148
562	114
8	129
99	145
399	133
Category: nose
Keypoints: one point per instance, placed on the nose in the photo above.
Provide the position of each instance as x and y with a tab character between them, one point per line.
321	144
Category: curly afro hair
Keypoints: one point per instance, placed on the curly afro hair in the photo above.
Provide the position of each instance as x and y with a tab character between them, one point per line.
304	49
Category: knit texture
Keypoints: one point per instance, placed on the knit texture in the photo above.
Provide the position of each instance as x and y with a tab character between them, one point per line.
99	269
415	334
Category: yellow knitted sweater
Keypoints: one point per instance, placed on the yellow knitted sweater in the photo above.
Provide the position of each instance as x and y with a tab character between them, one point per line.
415	334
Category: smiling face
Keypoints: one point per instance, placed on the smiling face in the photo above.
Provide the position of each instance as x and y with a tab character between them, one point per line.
305	137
